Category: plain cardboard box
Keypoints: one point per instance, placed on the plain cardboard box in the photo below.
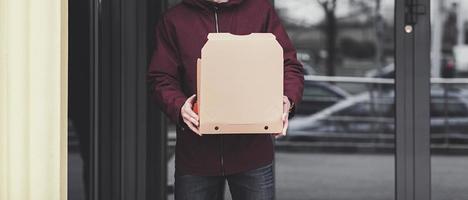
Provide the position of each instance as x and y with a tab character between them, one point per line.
240	84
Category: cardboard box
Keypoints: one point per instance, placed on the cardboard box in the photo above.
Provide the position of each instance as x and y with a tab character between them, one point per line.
240	84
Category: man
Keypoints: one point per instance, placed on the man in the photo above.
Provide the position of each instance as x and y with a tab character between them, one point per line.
203	163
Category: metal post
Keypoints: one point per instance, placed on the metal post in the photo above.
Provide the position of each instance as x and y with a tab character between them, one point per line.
412	100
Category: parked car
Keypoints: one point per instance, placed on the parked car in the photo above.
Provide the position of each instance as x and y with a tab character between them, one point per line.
369	116
318	96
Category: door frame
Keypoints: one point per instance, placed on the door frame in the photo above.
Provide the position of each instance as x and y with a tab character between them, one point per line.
128	158
412	87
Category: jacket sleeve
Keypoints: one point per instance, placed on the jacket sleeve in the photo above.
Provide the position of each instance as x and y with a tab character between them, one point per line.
293	69
164	73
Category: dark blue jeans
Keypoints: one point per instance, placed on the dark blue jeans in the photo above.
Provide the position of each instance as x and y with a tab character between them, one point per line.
257	184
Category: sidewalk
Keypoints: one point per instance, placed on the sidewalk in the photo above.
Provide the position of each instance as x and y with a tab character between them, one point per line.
314	176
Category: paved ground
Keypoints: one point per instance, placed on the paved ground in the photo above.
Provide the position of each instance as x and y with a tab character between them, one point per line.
356	177
307	176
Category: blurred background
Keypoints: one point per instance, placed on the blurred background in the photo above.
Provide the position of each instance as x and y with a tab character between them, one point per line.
341	143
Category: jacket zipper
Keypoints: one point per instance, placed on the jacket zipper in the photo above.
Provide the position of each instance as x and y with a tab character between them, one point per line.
216	19
221	136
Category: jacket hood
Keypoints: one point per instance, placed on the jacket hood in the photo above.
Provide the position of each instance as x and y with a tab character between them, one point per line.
205	4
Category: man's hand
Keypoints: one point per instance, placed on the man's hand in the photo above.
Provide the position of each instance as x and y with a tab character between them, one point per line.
286	106
189	116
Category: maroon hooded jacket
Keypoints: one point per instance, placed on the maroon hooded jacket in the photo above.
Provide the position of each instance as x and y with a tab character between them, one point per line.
180	35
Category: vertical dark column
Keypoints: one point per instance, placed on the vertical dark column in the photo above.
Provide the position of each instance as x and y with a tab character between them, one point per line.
133	85
79	109
93	188
109	75
422	98
157	132
412	100
130	136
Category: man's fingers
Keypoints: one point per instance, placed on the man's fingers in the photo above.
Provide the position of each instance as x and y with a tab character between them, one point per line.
286	104
189	118
194	121
191	99
278	135
187	109
192	127
285	127
190	112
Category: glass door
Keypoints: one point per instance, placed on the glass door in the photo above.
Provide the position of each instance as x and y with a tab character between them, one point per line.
449	99
362	130
341	143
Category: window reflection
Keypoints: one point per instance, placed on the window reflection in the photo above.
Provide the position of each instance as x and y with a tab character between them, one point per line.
449	99
340	145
